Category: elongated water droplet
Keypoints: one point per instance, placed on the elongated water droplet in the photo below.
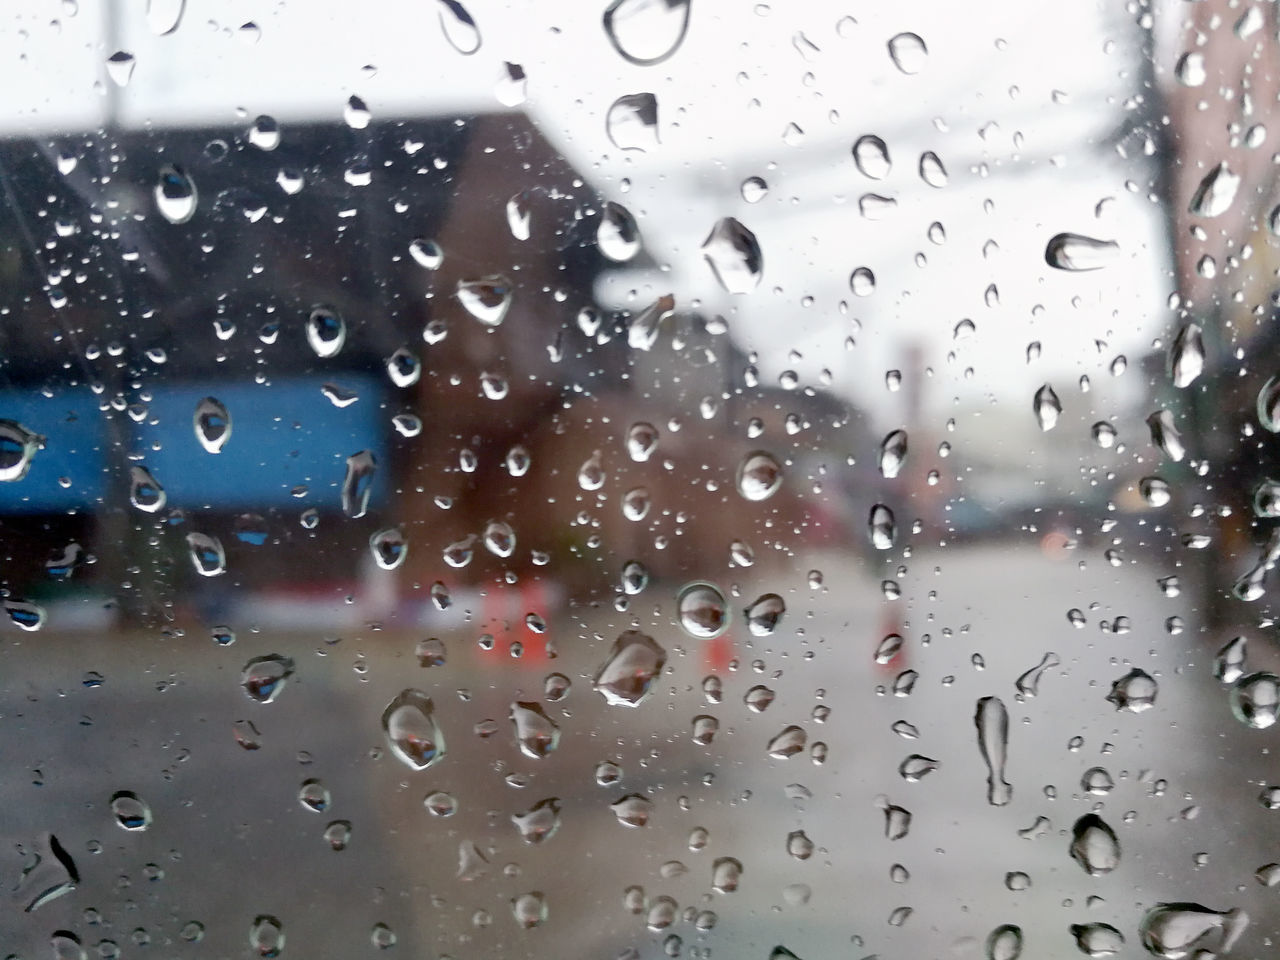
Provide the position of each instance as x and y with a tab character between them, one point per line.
1097	939
897	820
759	476
632	810
702	611
893	453
646	32
1216	192
207	555
1072	251
164	16
1186	356
48	874
1165	436
871	157
642	440
932	171
627	674
409	723
487	298
888	648
617	235
787	743
632	122
212	424
916	767
908	52
131	811
17	447
882	527
1154	491
1269	405
1029	683
763	615
734	256
499	539
326	331
1255	700
120	67
426	253
1094	845
537	735
519	214
1266	499
357	485
1228	665
25	614
726	874
266	936
1135	692
992	720
1047	408
643	327
1004	943
873	206
1189	69
1174	931
264	677
459	27
175	194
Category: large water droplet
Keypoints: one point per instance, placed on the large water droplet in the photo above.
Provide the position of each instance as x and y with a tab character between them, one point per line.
908	52
916	767
1047	407
932	170
635	577
459	27
540	822
314	796
120	67
537	735
632	810
642	440
764	614
1155	491
163	16
1269	405
632	122
1004	943
1186	356
17	446
992	720
1071	251
862	282
1255	700
1097	939
266	936
759	476
175	194
409	724
357	485
326	331
734	255
643	327
487	298
130	810
389	548
1029	683
702	611
871	157
1216	192
1094	845
1165	436
627	675
25	614
207	555
617	235
1135	692
404	368
1189	69
882	528
212	424
787	742
529	909
893	453
726	874
646	32
264	677
1175	930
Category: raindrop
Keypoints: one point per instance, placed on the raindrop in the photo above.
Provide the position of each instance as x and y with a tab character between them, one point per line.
389	548
734	256
459	28
636	504
642	440
873	206
518	215
632	122
1104	434
704	729
264	677
881	527
1175	930
871	157
1154	491
763	615
1029	683
702	611
908	52
1135	692
207	555
787	743
754	189
212	424
1216	192
131	811
357	485
407	424
175	194
1097	781
897	820
1094	845
893	453
163	16
646	32
1255	700
512	88
632	810
1186	356
726	874
635	577
120	67
426	253
25	614
17	446
643	328
440	804
1189	69
617	236
888	649
992	720
403	368
1097	939
356	113
1228	665
1165	436
487	299
1047	407
634	662
1269	405
529	909
326	331
499	539
758	698
539	822
411	730
916	767
1004	943
1071	251
265	133
1266	499
862	282
759	476
537	735
932	171
314	796
266	936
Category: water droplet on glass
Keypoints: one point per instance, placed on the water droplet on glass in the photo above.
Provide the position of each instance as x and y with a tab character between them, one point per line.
888	648
1154	491
264	677
1097	939
1047	407
409	724
1104	434
1189	69
459	28
726	874
1186	356
617	235
403	368
787	743
882	527
540	822
932	171
1135	692
704	729
426	254
916	767
326	331
908	52
734	256
130	810
862	282
529	909
537	735
763	615
1004	943
212	424
893	453
871	157
266	936
389	548
120	67
355	113
1255	700
1228	665
1028	684
632	122
646	32
897	820
163	16
357	484
754	189
207	555
1269	405
175	194
702	611
632	810
1216	192
759	476
873	206
1097	781
25	614
636	504
1094	845
1174	931
1165	436
314	796
643	328
992	720
634	662
1071	251
487	298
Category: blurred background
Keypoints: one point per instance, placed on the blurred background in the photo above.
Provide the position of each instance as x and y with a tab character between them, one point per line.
375	384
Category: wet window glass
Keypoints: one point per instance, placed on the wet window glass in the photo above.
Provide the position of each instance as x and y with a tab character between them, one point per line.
638	479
